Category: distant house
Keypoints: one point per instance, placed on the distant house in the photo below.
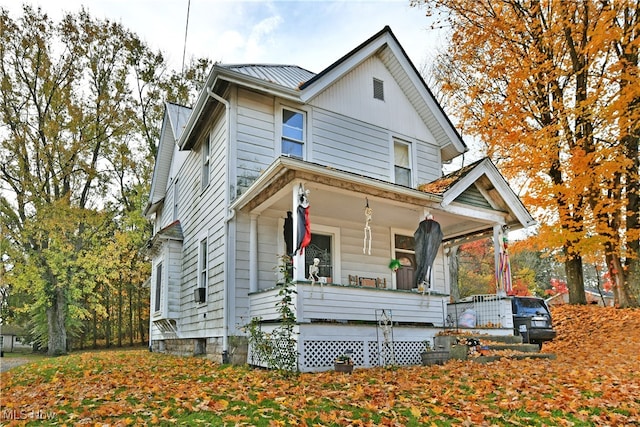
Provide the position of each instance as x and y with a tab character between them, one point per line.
593	296
228	182
11	338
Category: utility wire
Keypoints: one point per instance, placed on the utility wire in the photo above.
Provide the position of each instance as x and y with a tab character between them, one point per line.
186	28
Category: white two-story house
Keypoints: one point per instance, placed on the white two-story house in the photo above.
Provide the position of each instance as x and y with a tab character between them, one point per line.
364	143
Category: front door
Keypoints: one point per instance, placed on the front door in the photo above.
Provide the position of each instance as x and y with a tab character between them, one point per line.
405	276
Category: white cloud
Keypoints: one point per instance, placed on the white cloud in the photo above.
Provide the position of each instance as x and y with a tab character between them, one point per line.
260	39
311	34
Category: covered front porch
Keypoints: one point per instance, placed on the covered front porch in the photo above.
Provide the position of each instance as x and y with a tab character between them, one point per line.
359	225
359	301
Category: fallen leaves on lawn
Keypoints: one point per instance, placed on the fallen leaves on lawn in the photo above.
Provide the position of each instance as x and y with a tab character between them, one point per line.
595	380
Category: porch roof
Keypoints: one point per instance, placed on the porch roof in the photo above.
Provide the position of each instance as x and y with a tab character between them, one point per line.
342	194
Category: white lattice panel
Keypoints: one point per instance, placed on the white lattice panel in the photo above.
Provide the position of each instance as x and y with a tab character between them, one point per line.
404	352
320	354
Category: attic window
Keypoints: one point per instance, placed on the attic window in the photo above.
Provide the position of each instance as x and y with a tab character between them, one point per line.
378	89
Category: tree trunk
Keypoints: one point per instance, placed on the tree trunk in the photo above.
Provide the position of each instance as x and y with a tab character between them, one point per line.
95	329
141	304
130	295
575	279
107	320
632	285
453	273
120	303
57	343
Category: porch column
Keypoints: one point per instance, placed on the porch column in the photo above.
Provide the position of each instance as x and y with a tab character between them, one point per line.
497	242
298	260
253	254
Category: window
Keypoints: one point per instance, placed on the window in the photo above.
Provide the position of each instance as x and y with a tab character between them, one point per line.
378	89
205	163
319	247
158	286
402	162
202	264
292	133
175	199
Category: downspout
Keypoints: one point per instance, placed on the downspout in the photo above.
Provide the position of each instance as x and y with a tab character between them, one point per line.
230	216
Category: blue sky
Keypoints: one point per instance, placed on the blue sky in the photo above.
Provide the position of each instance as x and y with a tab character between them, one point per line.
310	33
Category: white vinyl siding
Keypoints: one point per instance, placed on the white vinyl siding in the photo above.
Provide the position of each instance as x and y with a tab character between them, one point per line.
350	145
204	218
255	137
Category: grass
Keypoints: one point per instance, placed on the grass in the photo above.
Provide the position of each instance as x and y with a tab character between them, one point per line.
136	387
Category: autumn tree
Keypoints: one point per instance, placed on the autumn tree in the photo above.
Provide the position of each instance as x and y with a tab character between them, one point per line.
78	101
552	89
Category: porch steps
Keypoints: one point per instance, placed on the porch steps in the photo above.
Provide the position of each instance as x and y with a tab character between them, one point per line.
523	348
505	339
511	344
518	356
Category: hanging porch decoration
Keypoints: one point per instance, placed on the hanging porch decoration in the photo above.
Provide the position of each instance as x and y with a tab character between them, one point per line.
303	236
504	267
428	238
368	214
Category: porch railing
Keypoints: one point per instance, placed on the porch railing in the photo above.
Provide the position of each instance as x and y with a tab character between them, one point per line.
337	303
490	311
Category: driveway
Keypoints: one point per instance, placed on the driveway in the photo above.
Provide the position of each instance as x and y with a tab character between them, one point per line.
12	362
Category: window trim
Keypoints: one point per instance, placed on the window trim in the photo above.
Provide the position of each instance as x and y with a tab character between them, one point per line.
203	264
334	233
176	195
280	123
158	283
410	147
206	163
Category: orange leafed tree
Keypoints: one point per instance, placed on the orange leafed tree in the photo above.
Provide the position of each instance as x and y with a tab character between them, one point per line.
552	88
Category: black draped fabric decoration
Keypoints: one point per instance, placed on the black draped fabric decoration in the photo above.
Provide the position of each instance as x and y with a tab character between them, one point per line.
428	238
303	237
288	233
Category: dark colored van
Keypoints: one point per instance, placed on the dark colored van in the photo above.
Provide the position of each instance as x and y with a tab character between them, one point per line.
532	320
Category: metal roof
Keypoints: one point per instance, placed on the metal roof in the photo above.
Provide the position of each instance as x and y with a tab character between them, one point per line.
178	116
290	76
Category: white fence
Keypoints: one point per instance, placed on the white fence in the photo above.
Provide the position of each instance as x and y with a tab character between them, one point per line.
490	311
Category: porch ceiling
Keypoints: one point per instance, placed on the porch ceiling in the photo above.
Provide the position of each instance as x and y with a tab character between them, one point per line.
342	196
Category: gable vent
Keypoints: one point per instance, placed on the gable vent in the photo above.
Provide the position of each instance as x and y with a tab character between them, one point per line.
378	89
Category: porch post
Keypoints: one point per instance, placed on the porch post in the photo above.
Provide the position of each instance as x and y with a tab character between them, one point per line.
497	239
253	254
298	260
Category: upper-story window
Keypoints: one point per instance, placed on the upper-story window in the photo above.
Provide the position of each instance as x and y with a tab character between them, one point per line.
205	162
402	162
176	195
292	133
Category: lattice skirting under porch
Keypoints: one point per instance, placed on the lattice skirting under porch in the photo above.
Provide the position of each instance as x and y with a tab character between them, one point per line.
320	354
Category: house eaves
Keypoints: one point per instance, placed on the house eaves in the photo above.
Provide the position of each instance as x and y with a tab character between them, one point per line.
289	169
385	45
499	193
219	74
173	123
172	231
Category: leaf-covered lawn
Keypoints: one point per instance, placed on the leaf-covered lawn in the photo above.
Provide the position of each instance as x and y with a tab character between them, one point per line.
595	380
